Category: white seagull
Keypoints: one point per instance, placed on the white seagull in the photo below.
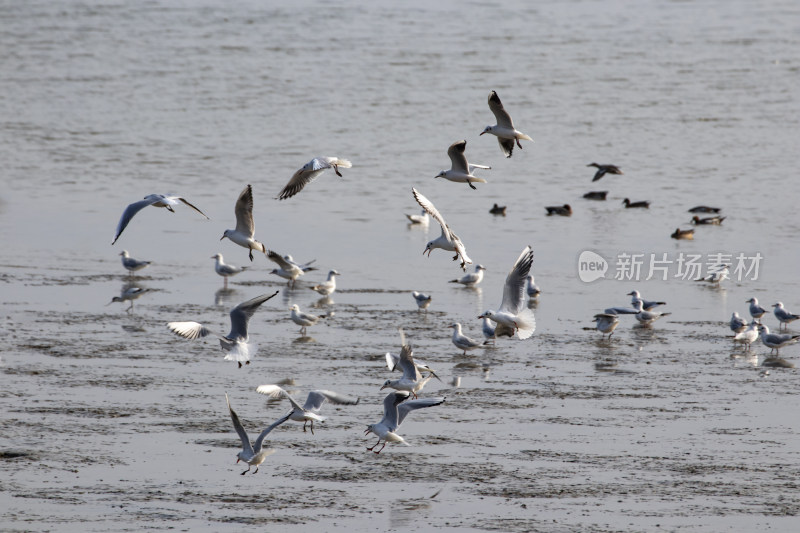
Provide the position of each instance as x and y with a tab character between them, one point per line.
392	361
309	172
245	227
756	311
646	317
225	270
303	319
776	341
532	288
461	341
471	279
395	410
131	264
512	315
129	295
646	304
737	323
461	171
423	300
288	268
488	331
412	380
421	219
448	240
156	200
716	275
606	323
784	317
748	335
327	287
504	129
309	412
235	343
252	454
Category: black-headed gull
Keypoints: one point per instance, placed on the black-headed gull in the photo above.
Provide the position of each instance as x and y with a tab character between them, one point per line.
471	279
412	380
748	335
235	343
421	219
606	323
245	230
504	130
129	294
327	287
288	268
646	304
460	170
156	200
756	311
448	240
308	412
737	323
646	317
395	410
423	300
461	341
132	265
602	170
532	288
776	341
302	319
225	270
784	317
512	315
309	172
253	454
716	275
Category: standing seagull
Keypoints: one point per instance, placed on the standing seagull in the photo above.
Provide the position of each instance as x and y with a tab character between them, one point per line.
602	170
252	454
471	279
395	410
421	219
504	129
225	270
532	288
327	287
423	300
512	316
288	268
646	317
309	412
784	317
461	171
448	240
234	343
756	311
646	304
737	323
461	341
776	341
309	172
606	323
131	264
245	228
412	381
747	336
156	200
303	319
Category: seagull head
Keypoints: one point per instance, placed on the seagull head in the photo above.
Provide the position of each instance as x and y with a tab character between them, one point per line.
428	248
226	233
635	294
124	253
369	430
487	129
217	256
386	383
441	174
295	307
487	314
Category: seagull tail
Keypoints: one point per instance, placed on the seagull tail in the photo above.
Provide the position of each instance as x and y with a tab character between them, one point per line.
524	137
526	324
476	180
344	163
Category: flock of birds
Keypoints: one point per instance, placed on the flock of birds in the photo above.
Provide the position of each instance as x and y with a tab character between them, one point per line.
513	317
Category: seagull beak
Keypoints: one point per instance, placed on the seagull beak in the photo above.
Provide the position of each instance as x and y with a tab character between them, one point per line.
481	133
222	237
482	316
383	387
237	460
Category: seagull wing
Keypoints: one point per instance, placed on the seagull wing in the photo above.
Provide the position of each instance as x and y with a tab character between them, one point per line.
275	391
260	440
428	206
391	361
237	425
317	397
303	177
129	213
390	403
283	263
503	118
506	145
457	158
244	212
412	405
188	204
188	330
240	315
407	365
514	289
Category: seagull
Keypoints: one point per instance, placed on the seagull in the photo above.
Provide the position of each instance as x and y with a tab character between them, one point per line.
156	200
421	219
423	300
235	343
309	412
131	264
288	268
646	304
461	171
304	319
412	380
448	240
309	172
327	287
686	234
705	209
756	311
643	204
226	270
776	341
504	129
562	210
498	210
747	336
129	295
596	195
602	170
488	330
471	279
532	288
713	221
512	315
461	341
717	274
783	316
606	323
395	410
392	361
738	324
245	228
646	317
252	454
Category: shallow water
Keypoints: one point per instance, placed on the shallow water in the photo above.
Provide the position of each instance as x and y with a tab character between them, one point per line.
114	423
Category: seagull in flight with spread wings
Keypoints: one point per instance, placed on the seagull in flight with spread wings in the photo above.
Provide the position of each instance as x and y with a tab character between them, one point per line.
448	240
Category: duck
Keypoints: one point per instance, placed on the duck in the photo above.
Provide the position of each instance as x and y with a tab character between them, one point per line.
714	221
596	195
704	209
602	170
563	210
498	210
687	234
643	204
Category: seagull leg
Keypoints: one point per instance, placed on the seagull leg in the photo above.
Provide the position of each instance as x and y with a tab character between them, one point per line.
373	447
251	254
471	186
246	471
256	471
336	169
240	364
312	427
304	425
518	144
382	447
